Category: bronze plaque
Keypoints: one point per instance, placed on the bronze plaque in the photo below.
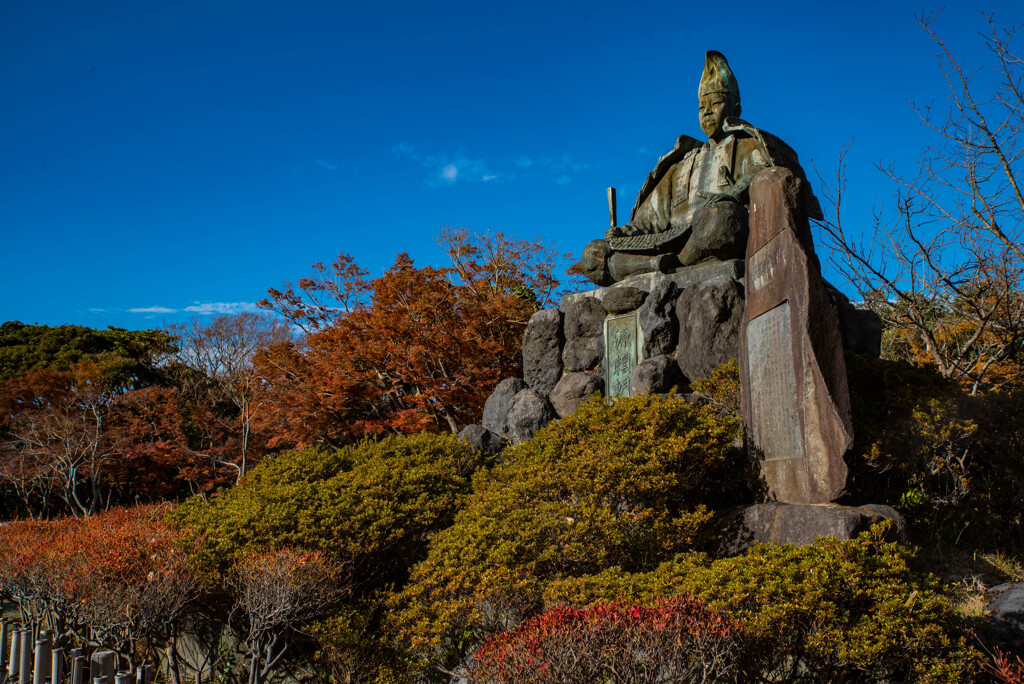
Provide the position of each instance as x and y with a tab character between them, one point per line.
622	344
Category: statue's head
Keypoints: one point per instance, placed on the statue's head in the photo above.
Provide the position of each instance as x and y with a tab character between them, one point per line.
718	94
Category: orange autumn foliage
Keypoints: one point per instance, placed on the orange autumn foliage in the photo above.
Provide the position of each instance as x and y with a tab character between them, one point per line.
412	350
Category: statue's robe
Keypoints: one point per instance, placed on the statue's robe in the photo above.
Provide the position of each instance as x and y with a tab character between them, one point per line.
670	196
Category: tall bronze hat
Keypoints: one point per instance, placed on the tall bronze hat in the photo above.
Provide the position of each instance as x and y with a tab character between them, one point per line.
717	76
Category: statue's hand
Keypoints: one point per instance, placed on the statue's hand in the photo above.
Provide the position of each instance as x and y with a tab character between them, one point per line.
708	198
615	232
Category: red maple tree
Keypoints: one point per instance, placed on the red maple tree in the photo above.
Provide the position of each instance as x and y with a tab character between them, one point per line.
414	349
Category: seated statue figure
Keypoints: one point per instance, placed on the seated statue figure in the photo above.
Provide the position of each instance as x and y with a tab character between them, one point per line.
693	206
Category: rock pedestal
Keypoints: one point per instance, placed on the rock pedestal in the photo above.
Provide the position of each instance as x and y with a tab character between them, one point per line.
796	404
779	523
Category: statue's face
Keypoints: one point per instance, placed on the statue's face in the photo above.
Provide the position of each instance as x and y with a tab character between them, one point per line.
714	107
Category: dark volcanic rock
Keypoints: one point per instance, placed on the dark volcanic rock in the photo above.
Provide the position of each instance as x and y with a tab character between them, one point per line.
619	300
658	320
497	405
481	439
571	390
710	316
584	335
861	329
542	350
801	524
1005	603
657	375
530	411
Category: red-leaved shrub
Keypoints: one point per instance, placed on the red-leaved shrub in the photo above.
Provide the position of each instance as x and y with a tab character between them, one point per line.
674	640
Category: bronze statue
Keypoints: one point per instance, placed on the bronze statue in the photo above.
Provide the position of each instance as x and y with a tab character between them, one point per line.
693	206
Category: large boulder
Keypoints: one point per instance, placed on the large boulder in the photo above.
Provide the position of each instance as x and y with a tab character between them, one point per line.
497	405
801	524
530	411
861	329
584	335
542	350
710	317
657	375
1005	603
571	390
481	439
620	300
658	319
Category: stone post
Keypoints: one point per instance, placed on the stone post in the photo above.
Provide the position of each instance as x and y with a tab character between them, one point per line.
3	640
44	661
796	404
77	666
57	666
12	666
123	678
25	667
103	664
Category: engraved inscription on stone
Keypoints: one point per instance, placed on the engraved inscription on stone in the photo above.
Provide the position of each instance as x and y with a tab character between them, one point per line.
775	420
763	265
622	345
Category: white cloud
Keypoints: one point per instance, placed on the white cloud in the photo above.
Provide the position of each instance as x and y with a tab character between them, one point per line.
324	164
445	168
207	308
152	310
96	310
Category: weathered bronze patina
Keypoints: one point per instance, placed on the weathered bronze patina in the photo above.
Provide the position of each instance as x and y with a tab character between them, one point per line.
693	205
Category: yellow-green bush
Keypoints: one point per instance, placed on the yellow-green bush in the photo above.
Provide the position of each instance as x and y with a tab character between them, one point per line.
616	484
834	611
370	507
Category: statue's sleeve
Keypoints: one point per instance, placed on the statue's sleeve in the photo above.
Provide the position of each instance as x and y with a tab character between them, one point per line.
655	212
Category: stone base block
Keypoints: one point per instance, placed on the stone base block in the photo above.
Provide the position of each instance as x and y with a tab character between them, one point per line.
683	278
801	524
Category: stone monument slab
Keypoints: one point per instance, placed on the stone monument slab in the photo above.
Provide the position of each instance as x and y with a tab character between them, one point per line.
796	404
623	344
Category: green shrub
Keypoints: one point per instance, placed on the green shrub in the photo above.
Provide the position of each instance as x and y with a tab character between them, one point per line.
951	461
616	484
370	506
833	611
722	387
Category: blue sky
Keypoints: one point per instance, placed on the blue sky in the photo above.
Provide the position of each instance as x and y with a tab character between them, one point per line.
159	159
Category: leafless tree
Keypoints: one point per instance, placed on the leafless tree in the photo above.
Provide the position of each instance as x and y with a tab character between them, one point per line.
220	350
59	432
946	272
276	593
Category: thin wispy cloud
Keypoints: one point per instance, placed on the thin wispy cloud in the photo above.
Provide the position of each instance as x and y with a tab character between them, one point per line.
447	169
207	308
201	308
326	165
151	310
